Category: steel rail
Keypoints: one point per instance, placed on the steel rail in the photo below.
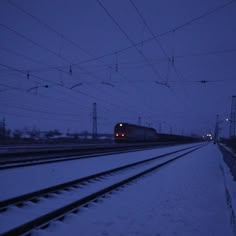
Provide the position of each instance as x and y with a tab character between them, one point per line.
59	213
36	194
54	159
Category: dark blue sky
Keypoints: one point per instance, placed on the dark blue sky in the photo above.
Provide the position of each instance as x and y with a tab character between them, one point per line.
53	42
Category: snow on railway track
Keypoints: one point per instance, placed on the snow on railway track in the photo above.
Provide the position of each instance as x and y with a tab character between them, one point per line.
41	208
31	161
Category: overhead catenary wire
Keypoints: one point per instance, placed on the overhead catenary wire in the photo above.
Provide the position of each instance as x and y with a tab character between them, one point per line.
119	67
37	77
41	79
39	118
122	65
207	53
176	28
131	41
45	48
68	88
155	39
38	110
59	34
47	26
149	28
183	25
56	54
56	101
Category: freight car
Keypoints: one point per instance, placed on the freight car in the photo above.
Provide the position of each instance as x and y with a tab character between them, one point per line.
124	132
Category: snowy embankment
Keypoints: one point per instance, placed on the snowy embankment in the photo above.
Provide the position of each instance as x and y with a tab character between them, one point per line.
185	198
228	171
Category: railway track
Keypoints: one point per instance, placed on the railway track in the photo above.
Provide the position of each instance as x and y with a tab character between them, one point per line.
9	162
38	209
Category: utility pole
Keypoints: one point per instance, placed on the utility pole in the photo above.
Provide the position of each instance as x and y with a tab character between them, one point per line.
232	127
159	127
171	130
3	130
216	129
94	120
139	120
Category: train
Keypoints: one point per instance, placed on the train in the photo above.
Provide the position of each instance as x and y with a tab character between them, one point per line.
125	132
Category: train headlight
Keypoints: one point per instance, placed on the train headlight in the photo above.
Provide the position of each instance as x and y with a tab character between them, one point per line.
122	135
121	125
117	135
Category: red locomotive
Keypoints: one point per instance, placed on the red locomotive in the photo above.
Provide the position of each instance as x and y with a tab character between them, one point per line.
125	132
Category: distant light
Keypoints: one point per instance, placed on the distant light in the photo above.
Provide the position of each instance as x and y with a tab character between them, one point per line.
227	119
121	125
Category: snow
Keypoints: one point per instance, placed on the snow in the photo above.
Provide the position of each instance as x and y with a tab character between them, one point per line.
229	182
32	211
18	181
186	197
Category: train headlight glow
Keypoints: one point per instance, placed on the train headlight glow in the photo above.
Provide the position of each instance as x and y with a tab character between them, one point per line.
121	125
122	135
117	135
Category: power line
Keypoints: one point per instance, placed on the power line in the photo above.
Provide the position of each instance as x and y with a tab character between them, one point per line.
56	32
208	53
155	39
59	85
32	41
121	64
148	27
56	54
38	111
56	101
22	55
41	79
131	41
207	13
117	51
190	21
47	26
44	48
52	67
30	117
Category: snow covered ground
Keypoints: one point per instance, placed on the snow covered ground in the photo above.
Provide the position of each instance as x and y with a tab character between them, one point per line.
187	197
18	181
193	196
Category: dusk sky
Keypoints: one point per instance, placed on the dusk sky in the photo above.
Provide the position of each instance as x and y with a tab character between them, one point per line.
170	62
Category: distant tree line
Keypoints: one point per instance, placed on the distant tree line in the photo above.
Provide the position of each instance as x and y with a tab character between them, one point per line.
35	135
